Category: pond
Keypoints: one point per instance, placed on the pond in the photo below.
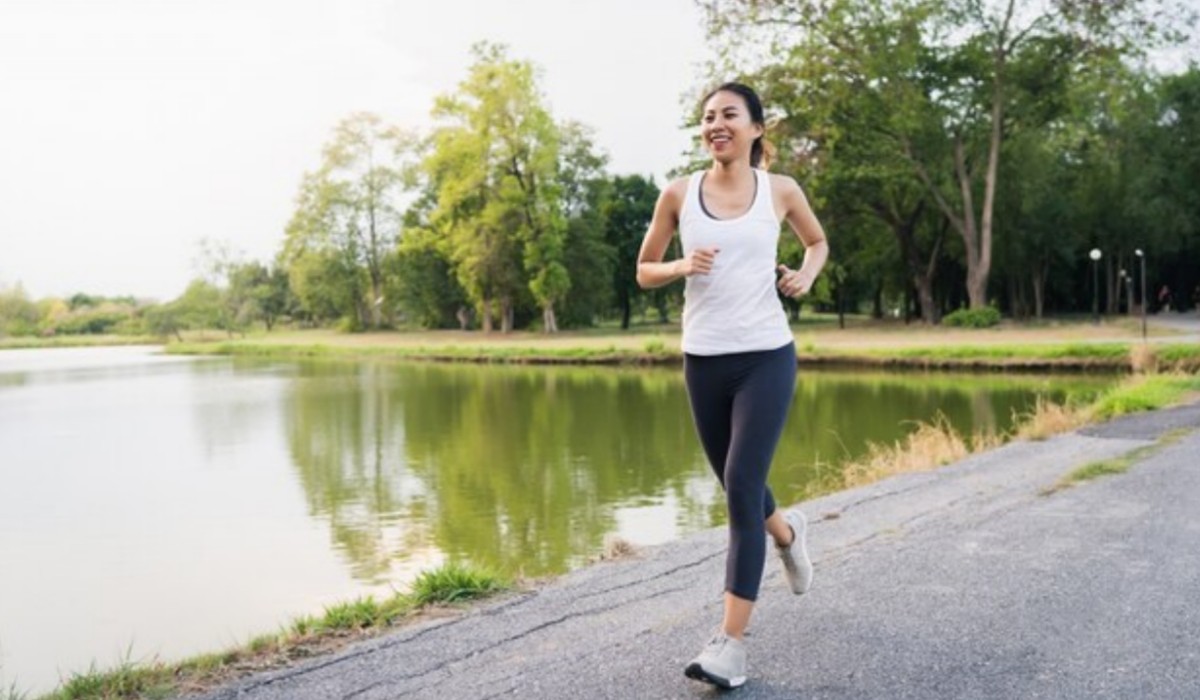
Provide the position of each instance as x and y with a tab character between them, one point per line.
164	506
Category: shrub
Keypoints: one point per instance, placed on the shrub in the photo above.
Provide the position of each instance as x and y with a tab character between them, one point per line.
986	317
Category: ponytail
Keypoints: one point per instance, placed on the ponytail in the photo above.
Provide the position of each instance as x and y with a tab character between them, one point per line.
762	153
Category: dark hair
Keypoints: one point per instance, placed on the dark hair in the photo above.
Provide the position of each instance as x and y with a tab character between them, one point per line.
754	105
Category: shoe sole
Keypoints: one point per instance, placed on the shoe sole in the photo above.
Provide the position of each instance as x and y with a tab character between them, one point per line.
697	672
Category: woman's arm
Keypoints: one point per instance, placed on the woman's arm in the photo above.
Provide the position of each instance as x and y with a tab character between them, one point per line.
652	271
804	224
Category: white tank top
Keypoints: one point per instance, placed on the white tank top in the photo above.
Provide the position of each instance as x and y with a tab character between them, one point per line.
734	308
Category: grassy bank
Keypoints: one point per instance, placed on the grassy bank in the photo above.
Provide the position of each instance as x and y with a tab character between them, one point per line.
664	349
303	638
76	341
937	444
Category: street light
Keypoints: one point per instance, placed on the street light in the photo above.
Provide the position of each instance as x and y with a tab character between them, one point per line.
1142	259
1095	256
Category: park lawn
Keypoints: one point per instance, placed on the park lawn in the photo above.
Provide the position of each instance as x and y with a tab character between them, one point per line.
1080	345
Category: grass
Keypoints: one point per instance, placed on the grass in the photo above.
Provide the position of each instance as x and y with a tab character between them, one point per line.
653	351
1048	419
75	341
935	444
1016	347
1103	351
1143	393
1117	465
305	636
1099	469
930	446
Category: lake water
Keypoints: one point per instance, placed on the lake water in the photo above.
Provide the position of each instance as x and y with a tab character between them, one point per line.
159	505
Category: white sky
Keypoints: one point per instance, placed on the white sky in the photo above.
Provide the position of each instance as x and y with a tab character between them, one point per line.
130	130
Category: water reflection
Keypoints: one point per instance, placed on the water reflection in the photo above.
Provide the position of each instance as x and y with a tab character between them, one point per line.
260	490
527	469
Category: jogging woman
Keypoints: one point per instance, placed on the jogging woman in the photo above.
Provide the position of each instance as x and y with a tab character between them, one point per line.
739	353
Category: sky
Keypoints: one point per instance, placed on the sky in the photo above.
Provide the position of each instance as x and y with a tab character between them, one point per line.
130	131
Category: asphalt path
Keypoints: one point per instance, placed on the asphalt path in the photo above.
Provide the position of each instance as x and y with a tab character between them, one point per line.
967	582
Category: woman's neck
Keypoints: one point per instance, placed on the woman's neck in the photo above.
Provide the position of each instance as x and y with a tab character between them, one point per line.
729	173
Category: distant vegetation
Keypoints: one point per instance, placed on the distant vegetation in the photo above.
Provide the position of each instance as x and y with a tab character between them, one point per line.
962	155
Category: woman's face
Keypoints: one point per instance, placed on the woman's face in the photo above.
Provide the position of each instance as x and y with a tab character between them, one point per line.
726	128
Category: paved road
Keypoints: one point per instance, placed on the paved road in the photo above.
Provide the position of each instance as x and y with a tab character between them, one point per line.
967	582
1186	322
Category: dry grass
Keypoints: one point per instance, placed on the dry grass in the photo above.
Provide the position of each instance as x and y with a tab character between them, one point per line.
1143	358
1048	419
616	548
930	446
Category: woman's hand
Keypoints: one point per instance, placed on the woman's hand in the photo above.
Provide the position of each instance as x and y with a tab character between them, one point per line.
697	262
793	283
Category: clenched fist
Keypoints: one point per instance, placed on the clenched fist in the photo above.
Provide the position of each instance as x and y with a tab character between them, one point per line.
793	283
698	261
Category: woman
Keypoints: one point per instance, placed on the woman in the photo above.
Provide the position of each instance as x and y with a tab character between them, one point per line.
739	353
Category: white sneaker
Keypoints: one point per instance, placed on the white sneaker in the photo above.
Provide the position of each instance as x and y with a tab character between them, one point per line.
796	564
722	662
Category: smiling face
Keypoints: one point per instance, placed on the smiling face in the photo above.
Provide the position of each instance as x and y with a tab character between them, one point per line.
726	127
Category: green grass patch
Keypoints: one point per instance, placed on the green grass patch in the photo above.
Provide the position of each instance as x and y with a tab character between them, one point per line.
1143	394
1178	354
75	341
130	680
1117	465
453	583
653	350
1077	351
657	350
1099	469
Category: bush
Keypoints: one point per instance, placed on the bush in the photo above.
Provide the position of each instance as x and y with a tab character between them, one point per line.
973	318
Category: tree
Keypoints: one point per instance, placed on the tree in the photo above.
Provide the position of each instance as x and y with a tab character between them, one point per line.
947	71
348	219
493	165
321	254
587	255
627	213
18	314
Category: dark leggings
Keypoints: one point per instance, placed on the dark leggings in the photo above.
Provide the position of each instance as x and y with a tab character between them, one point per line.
740	402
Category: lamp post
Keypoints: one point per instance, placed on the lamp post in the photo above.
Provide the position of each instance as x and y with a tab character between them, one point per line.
1095	256
1142	260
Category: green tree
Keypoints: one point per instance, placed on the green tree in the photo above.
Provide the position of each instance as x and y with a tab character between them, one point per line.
949	73
18	314
321	254
348	219
493	165
627	213
587	255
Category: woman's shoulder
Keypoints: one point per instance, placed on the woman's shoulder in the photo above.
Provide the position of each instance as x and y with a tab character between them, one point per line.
783	183
676	190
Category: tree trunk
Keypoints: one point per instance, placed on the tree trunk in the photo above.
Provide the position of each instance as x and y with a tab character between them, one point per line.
376	302
920	271
1039	289
485	310
877	309
549	322
506	315
929	311
841	307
